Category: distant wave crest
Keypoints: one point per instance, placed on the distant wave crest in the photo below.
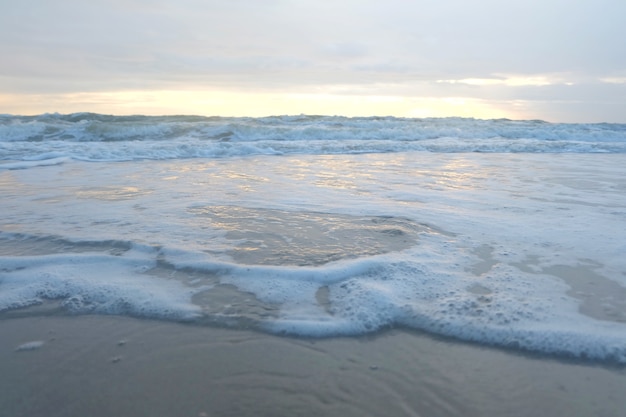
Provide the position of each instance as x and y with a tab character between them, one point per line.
98	137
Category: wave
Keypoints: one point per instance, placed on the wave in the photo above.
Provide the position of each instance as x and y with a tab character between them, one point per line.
97	137
339	298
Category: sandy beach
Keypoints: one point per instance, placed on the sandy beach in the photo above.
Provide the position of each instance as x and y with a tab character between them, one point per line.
117	366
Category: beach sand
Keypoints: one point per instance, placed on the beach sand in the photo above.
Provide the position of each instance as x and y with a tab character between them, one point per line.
117	366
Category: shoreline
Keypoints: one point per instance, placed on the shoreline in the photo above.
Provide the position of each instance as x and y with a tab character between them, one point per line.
111	365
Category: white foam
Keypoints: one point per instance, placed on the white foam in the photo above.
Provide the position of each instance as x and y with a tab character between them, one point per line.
418	289
94	283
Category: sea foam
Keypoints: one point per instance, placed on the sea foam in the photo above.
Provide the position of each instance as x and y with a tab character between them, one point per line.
95	284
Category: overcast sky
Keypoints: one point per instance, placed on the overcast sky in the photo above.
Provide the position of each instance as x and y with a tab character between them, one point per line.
556	60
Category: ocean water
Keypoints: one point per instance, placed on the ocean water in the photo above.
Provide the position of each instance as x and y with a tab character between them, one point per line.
498	232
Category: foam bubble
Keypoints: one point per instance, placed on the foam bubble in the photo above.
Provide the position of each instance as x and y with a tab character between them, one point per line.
34	345
94	283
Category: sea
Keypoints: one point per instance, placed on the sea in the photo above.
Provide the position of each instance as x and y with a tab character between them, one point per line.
502	232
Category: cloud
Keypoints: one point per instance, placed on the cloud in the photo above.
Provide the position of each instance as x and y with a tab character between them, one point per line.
345	49
453	48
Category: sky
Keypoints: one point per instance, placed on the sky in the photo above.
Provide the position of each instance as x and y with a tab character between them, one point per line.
554	60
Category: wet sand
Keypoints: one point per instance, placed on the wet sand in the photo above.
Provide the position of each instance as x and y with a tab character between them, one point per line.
115	366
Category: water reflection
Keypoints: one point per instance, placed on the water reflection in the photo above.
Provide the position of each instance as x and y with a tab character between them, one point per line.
280	237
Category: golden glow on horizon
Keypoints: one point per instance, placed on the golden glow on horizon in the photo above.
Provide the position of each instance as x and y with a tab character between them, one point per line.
257	104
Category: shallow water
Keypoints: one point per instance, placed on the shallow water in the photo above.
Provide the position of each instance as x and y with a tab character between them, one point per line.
513	250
